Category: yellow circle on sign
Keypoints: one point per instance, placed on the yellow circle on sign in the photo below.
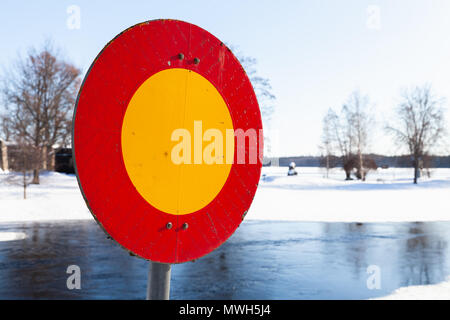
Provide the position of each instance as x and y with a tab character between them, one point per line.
174	141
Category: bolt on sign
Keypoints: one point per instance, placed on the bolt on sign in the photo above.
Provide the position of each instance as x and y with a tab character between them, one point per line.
167	141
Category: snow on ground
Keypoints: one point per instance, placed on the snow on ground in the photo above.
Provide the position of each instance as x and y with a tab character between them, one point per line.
56	198
439	291
12	236
387	195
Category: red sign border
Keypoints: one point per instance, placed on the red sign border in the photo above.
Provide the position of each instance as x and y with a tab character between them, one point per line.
96	140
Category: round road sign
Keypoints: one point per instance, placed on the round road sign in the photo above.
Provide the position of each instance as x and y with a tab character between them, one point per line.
165	133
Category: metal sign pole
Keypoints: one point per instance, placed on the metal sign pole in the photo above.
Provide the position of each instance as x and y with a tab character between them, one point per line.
158	285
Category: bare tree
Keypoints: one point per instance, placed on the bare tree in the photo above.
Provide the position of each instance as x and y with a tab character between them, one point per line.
264	94
348	134
24	159
40	92
420	123
358	121
341	139
261	85
327	138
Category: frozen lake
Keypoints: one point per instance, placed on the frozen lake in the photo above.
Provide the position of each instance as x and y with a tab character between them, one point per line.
262	260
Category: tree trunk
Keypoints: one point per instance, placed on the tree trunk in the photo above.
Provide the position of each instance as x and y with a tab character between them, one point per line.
348	175
416	174
24	184
35	176
44	157
416	170
361	167
361	174
37	165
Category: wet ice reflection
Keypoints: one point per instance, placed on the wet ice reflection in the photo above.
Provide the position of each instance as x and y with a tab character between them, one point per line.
262	260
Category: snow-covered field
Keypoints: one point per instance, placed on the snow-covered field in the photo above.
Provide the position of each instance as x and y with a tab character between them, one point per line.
56	198
387	195
439	291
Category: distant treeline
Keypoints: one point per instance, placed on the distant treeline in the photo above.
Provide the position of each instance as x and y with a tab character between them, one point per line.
380	160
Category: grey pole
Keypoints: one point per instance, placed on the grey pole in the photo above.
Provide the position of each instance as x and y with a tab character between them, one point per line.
158	285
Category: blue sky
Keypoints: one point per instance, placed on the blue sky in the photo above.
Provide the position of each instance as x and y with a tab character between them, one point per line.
314	52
